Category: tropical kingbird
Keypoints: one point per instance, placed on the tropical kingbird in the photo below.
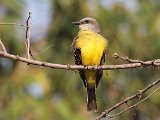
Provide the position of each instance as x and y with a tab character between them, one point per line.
89	48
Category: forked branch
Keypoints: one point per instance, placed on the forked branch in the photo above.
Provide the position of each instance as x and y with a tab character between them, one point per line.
137	95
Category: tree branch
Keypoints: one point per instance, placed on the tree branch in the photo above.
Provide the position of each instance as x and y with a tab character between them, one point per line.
137	95
7	23
4	49
75	67
111	116
28	34
151	62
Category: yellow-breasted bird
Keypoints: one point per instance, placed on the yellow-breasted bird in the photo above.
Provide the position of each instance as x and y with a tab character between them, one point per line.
89	48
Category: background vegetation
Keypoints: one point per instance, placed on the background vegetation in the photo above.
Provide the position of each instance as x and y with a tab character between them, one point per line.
35	93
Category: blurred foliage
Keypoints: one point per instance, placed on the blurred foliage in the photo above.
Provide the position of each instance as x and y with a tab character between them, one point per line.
36	93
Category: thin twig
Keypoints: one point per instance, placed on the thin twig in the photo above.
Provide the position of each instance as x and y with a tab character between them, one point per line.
137	95
7	23
43	50
111	116
28	34
4	49
13	24
144	63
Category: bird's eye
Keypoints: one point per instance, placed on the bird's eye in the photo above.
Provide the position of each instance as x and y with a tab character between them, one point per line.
87	21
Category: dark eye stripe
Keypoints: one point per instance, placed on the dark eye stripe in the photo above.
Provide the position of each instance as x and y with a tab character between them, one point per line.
86	21
82	22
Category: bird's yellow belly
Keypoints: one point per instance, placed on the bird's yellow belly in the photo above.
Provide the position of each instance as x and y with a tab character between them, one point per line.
92	46
91	54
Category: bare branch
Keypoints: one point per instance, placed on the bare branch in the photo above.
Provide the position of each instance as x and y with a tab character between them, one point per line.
137	95
43	50
144	63
72	67
13	24
7	23
111	116
4	49
28	34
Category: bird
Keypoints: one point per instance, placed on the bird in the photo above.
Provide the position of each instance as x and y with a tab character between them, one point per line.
89	48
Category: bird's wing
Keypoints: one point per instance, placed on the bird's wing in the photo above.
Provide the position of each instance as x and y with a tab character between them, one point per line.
78	60
99	73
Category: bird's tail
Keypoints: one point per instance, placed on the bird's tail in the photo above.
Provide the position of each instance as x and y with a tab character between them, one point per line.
91	100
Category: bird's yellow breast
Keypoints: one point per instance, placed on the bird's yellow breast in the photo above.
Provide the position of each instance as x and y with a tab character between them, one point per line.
92	46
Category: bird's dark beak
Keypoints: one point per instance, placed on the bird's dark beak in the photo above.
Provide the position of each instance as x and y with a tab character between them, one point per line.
76	23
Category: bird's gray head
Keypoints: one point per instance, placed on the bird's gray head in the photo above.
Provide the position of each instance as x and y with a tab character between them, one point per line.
88	23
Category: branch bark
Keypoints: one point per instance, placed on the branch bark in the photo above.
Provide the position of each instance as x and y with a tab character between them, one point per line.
28	34
4	49
129	107
137	95
77	67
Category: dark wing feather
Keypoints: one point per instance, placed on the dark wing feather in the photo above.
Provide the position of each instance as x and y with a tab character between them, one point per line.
78	60
99	73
